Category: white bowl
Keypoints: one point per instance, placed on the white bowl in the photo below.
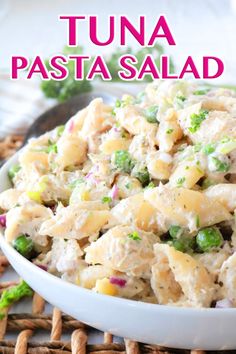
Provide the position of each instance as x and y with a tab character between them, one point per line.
187	328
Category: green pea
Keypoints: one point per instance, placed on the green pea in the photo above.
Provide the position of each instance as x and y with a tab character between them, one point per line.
151	114
24	245
183	244
179	245
209	238
13	171
123	161
174	231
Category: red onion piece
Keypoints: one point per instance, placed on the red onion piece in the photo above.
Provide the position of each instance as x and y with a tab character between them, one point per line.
114	192
71	126
3	220
224	304
41	266
95	168
90	177
117	130
118	281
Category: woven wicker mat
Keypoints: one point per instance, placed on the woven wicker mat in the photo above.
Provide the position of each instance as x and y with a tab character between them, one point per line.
22	326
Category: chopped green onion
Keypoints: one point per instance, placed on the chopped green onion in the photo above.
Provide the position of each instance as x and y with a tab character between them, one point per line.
140	97
151	114
201	92
150	185
224	140
60	130
180	181
208	149
169	131
75	183
219	165
225	147
13	171
181	98
197	147
118	103
106	200
207	183
196	120
52	148
134	236
197	221
126	101
123	161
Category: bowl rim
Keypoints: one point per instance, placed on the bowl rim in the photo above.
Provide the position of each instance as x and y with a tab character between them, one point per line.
193	311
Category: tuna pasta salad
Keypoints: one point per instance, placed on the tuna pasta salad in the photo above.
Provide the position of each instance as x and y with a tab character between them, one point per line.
136	200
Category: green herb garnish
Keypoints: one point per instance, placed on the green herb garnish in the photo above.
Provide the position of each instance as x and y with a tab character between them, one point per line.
197	220
134	236
75	183
123	161
197	147
201	92
150	114
196	120
208	149
52	148
140	97
150	185
181	98
60	130
13	171
169	131
106	200
219	165
180	181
